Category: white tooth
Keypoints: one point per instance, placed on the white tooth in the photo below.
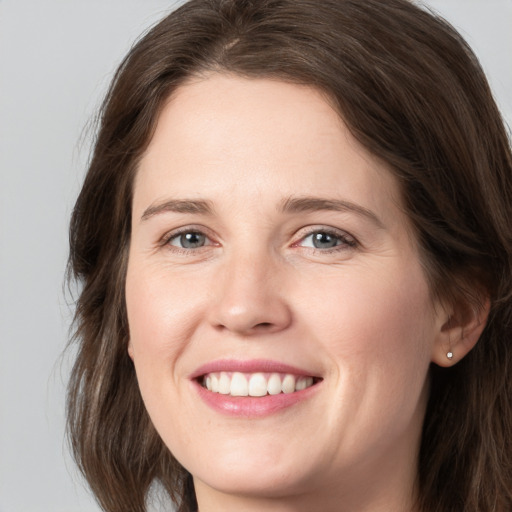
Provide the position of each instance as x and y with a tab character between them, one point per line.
215	383
300	384
224	383
288	384
274	384
239	386
208	383
258	385
309	382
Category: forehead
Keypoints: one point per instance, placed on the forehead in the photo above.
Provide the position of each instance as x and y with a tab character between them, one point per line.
257	137
228	112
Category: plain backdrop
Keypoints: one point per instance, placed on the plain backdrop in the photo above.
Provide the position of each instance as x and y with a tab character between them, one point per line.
56	59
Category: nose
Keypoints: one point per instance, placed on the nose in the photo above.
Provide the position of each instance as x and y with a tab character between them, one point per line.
250	298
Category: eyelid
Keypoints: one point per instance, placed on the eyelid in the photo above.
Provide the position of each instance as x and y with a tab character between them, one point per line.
194	228
346	238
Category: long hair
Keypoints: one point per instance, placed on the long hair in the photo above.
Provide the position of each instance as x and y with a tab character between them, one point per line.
412	92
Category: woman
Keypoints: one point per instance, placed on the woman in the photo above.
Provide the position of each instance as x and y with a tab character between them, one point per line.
295	252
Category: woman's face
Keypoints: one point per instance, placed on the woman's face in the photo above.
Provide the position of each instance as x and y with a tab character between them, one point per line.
270	256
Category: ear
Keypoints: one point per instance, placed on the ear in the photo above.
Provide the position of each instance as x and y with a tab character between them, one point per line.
460	329
130	349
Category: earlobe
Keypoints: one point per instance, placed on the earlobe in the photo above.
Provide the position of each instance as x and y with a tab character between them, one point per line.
460	333
130	349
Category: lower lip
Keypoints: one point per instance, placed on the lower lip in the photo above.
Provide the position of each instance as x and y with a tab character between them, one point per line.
253	407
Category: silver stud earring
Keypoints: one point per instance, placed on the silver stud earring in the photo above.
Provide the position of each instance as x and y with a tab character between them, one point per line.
449	355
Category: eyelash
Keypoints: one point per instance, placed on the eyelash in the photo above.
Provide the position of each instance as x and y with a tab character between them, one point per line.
166	240
345	240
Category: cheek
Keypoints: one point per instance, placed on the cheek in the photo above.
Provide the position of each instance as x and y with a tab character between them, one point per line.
379	329
161	316
382	342
161	312
381	312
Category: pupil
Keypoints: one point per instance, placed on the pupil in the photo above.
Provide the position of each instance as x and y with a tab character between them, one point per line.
324	241
192	240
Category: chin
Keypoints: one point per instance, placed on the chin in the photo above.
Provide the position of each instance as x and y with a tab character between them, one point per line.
253	470
256	481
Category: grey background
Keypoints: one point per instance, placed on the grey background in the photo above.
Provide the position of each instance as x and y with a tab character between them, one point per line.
56	59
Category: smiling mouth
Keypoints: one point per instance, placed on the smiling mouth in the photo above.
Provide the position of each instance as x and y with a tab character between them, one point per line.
255	384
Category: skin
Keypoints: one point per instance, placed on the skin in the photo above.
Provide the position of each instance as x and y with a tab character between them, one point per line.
359	315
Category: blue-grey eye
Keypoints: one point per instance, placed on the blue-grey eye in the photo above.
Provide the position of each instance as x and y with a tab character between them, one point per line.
189	240
326	240
322	240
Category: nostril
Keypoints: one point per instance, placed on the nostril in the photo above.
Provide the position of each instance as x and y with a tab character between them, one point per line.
264	325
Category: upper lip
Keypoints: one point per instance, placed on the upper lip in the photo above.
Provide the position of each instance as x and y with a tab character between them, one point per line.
249	366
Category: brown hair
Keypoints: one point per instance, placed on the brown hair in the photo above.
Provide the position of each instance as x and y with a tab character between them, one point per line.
413	93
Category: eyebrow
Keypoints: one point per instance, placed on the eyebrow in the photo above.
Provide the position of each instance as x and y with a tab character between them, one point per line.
312	204
289	205
178	206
